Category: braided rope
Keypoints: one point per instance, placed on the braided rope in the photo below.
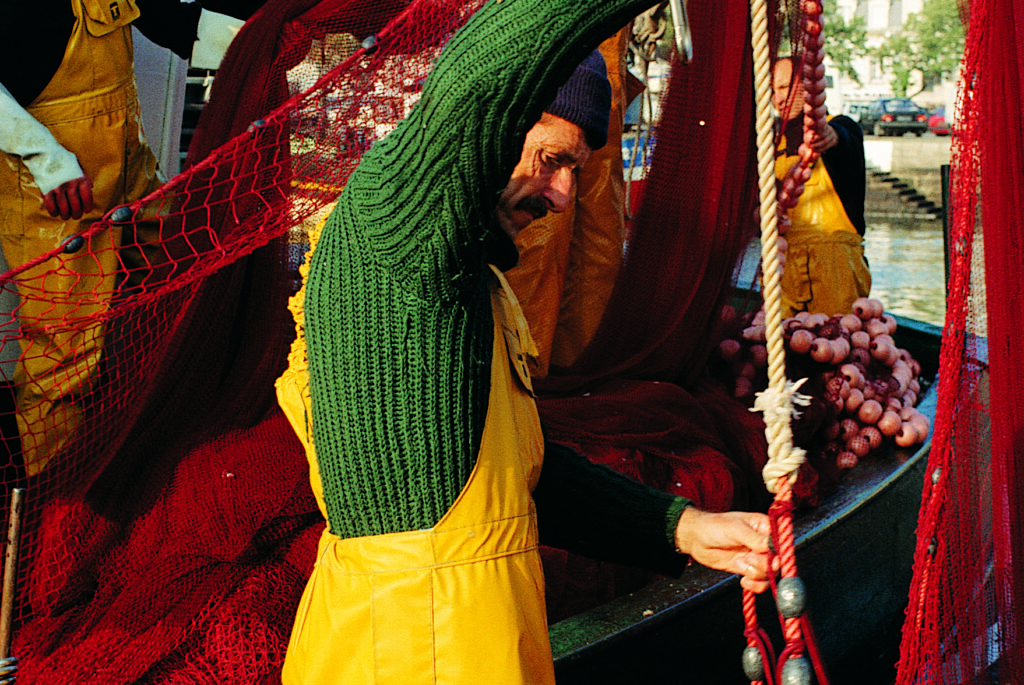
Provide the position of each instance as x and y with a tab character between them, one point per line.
777	402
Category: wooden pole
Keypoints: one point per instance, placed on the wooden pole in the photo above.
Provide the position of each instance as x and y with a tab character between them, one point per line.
10	571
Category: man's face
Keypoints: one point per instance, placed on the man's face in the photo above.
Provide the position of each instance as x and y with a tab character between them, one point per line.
542	180
782	76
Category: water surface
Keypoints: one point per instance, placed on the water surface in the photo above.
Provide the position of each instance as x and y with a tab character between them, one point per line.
907	267
908	272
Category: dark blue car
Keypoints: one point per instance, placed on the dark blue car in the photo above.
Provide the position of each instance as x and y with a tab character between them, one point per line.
894	117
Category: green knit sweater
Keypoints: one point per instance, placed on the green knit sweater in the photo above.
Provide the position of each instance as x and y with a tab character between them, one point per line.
398	316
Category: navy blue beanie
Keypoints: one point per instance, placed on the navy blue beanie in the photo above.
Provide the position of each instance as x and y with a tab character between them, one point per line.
586	100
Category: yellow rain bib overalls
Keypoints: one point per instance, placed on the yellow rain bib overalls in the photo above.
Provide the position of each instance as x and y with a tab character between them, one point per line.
825	267
91	108
459	604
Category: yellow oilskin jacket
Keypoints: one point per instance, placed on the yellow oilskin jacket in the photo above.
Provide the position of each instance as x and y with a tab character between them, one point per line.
825	267
459	604
91	108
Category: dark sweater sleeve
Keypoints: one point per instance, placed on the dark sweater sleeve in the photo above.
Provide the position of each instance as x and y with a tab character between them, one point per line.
592	510
173	24
845	164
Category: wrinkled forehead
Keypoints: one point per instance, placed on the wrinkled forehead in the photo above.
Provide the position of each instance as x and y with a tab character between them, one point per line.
782	73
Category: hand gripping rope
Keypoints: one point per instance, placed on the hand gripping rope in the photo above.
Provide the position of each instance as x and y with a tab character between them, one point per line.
792	667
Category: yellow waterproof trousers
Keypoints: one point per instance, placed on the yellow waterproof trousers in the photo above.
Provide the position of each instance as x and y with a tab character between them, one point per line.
824	273
91	108
459	604
825	267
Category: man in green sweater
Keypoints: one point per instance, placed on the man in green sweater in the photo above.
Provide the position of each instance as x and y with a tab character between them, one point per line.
426	445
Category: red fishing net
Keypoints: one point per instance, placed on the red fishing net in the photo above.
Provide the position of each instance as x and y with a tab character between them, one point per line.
963	621
169	539
169	526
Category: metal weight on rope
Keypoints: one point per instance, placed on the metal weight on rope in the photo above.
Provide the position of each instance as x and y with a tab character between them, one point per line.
72	244
122	215
255	128
796	671
791	597
753	663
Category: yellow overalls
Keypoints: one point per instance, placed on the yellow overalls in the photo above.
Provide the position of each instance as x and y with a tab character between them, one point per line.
825	268
91	108
459	604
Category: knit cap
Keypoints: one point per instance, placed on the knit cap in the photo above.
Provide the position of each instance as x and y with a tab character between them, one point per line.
586	100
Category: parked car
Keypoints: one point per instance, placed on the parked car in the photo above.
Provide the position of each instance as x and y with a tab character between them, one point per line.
937	123
894	116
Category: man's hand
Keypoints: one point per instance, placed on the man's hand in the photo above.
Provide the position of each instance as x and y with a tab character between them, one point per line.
828	139
70	200
734	541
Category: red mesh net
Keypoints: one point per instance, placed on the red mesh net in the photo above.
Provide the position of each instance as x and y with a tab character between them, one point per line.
963	618
169	526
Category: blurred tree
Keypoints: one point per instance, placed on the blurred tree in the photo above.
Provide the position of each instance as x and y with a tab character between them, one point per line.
930	43
844	40
894	55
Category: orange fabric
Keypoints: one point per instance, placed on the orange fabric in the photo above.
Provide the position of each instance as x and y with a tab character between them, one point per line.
568	262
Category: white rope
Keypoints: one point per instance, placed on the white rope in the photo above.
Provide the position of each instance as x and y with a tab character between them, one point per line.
778	408
777	401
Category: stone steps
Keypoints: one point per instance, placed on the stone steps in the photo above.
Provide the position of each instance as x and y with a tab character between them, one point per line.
889	196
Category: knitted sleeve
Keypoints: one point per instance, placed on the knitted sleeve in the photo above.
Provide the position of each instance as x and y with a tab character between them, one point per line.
398	317
427	192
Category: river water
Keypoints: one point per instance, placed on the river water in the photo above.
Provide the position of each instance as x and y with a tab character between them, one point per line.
908	272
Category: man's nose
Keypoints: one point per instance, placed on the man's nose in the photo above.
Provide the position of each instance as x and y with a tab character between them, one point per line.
558	194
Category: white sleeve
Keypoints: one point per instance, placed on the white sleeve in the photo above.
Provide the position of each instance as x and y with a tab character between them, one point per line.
215	33
22	136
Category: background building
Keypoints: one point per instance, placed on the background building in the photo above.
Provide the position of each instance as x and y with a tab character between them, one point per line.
882	18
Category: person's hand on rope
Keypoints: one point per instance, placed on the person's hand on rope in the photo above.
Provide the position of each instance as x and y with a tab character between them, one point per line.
70	200
827	139
733	541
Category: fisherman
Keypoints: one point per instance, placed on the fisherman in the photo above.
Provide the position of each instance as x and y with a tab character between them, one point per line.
825	265
73	148
424	443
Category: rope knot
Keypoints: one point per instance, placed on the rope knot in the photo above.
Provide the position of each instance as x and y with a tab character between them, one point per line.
778	404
